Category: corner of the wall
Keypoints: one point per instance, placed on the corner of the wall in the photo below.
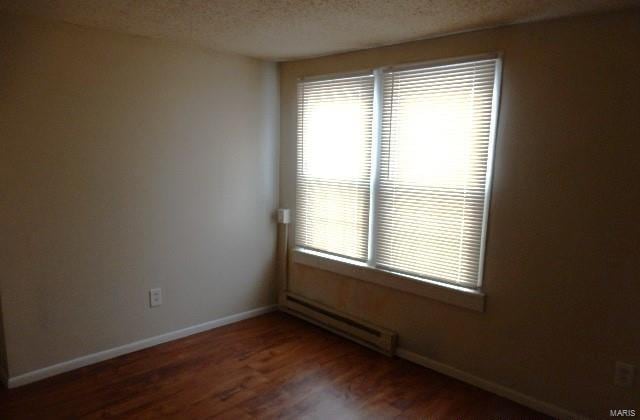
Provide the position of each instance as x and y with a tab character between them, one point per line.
4	363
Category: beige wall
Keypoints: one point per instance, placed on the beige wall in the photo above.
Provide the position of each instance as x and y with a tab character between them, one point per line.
128	163
563	252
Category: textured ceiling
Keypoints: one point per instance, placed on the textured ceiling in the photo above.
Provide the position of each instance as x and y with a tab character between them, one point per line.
289	29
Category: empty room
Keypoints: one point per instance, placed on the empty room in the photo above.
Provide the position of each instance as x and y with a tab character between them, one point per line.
319	209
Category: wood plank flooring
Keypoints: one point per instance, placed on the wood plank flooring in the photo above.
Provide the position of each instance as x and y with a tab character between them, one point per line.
272	366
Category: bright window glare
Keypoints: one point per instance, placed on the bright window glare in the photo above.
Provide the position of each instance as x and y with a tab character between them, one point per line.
432	142
335	136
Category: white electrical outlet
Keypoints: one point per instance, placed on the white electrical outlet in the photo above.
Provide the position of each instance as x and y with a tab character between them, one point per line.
155	297
624	374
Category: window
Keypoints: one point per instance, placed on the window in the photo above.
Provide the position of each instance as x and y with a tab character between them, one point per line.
393	167
335	118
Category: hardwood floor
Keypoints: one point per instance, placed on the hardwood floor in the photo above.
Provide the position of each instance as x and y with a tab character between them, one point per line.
266	367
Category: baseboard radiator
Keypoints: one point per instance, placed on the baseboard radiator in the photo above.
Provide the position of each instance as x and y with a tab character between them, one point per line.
362	332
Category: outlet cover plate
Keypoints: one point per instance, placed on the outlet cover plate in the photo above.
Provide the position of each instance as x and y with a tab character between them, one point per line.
155	297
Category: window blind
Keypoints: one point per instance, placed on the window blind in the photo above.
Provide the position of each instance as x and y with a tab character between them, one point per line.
334	141
434	151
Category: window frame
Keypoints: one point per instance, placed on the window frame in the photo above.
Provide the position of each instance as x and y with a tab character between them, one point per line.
468	297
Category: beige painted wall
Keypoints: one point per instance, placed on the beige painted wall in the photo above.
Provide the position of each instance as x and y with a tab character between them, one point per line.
563	252
128	163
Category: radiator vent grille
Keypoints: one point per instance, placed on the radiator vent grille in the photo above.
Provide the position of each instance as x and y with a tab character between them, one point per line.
365	333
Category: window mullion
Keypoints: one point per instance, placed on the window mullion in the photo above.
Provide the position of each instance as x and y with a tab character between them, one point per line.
375	167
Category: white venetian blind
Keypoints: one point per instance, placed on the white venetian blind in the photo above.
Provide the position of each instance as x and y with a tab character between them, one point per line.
334	160
434	150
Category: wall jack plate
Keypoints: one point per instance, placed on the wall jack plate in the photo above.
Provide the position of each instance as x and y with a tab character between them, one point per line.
155	297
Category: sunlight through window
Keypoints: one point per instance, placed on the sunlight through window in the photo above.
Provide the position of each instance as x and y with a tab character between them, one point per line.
428	164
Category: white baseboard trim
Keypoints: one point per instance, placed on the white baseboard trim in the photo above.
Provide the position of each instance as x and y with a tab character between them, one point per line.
100	356
503	391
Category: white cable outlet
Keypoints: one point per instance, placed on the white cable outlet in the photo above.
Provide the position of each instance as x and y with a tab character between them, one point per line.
155	297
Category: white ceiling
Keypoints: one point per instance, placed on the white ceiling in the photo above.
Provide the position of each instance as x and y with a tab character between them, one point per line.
289	29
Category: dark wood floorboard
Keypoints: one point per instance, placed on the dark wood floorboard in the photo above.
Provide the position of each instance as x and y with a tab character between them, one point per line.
272	366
